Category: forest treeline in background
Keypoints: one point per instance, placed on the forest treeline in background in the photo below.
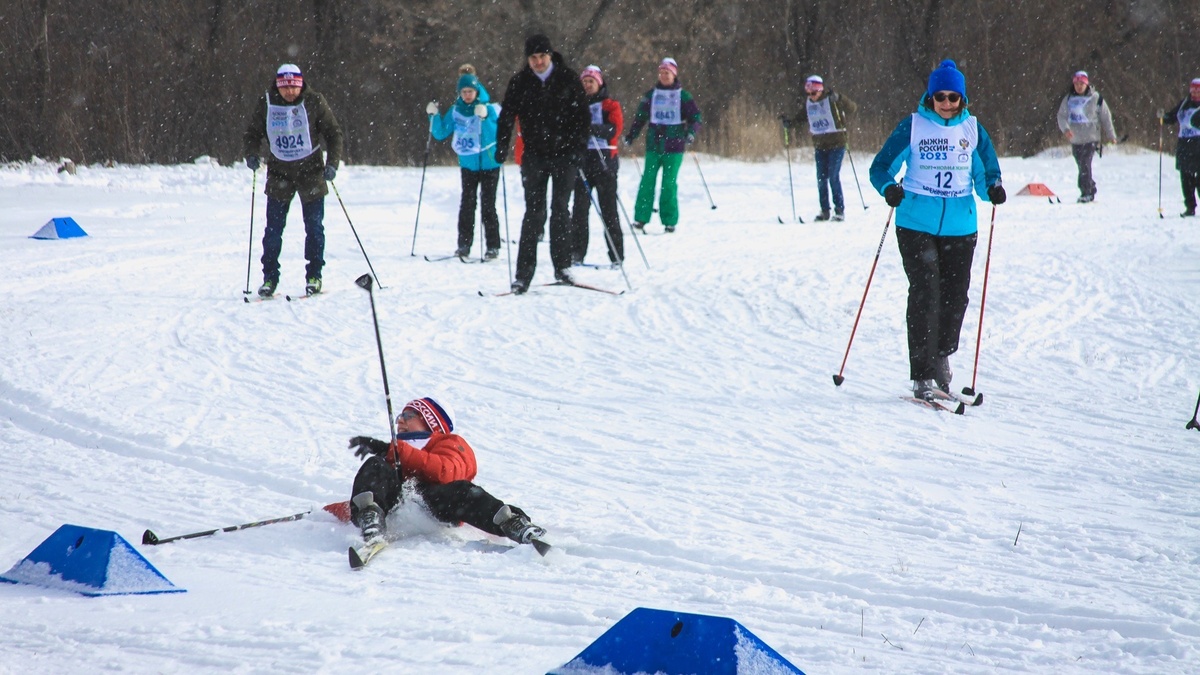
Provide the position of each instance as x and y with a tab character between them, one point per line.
133	81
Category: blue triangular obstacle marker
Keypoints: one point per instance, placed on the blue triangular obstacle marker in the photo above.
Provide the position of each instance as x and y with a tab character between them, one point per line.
91	562
674	643
59	228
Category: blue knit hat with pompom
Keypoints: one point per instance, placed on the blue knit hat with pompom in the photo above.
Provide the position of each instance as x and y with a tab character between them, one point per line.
947	77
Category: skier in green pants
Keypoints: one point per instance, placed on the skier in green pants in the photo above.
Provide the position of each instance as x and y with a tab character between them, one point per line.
673	118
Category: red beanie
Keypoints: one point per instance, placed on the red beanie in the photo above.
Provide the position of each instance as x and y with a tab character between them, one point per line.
435	416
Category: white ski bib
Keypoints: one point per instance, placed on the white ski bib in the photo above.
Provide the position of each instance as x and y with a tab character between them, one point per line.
1077	109
666	107
288	132
467	130
1185	117
939	161
820	117
595	142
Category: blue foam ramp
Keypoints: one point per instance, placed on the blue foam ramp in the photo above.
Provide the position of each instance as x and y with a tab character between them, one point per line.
90	562
675	643
59	228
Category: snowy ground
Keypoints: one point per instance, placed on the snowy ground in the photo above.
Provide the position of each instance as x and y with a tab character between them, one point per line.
683	443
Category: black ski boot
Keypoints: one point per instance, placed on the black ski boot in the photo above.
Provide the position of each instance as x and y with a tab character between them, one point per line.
516	526
925	390
943	375
370	518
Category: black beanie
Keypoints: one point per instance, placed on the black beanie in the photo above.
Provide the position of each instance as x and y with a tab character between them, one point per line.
537	44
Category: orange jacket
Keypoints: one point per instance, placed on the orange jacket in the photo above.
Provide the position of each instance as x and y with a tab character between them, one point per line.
519	144
444	459
612	115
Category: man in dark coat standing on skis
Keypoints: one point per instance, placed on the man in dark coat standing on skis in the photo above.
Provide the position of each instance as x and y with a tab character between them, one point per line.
550	101
298	124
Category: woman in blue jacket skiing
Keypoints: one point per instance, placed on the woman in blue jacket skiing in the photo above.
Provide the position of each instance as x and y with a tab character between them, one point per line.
948	155
472	123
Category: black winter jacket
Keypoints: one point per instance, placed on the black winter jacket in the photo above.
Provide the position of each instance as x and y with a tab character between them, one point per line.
554	115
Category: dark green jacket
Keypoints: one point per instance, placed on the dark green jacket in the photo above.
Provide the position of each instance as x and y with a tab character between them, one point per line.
666	138
306	176
841	106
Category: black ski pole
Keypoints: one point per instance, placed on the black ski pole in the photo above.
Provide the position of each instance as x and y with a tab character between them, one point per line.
366	282
987	267
1195	423
1159	167
360	244
507	239
702	181
612	245
787	150
254	190
150	539
479	165
633	231
855	172
420	193
838	379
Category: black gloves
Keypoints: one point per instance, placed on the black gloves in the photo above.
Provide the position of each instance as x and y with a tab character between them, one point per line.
500	154
996	194
893	195
691	138
787	123
628	139
365	445
253	163
330	173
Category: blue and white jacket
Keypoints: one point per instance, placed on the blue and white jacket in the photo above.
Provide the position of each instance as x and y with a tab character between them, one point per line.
940	216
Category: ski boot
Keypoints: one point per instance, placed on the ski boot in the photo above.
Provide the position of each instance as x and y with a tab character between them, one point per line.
516	526
370	519
926	390
944	374
267	290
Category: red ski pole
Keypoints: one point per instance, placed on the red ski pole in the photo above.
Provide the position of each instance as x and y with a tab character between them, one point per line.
987	266
838	379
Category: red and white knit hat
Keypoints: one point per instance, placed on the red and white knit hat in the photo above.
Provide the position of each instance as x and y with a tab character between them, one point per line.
1080	76
594	73
289	75
435	415
814	83
669	64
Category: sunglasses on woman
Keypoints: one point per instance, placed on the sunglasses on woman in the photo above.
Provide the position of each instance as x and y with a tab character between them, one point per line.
942	97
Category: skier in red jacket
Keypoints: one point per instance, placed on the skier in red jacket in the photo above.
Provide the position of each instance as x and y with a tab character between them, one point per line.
600	170
440	471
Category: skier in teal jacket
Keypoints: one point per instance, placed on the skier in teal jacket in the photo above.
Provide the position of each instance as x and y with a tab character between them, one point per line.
471	121
949	156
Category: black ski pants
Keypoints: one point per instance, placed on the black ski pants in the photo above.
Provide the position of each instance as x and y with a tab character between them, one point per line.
485	182
537	174
314	236
939	276
1191	185
458	502
601	176
1083	154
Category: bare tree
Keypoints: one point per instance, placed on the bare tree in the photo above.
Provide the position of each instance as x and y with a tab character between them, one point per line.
166	82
